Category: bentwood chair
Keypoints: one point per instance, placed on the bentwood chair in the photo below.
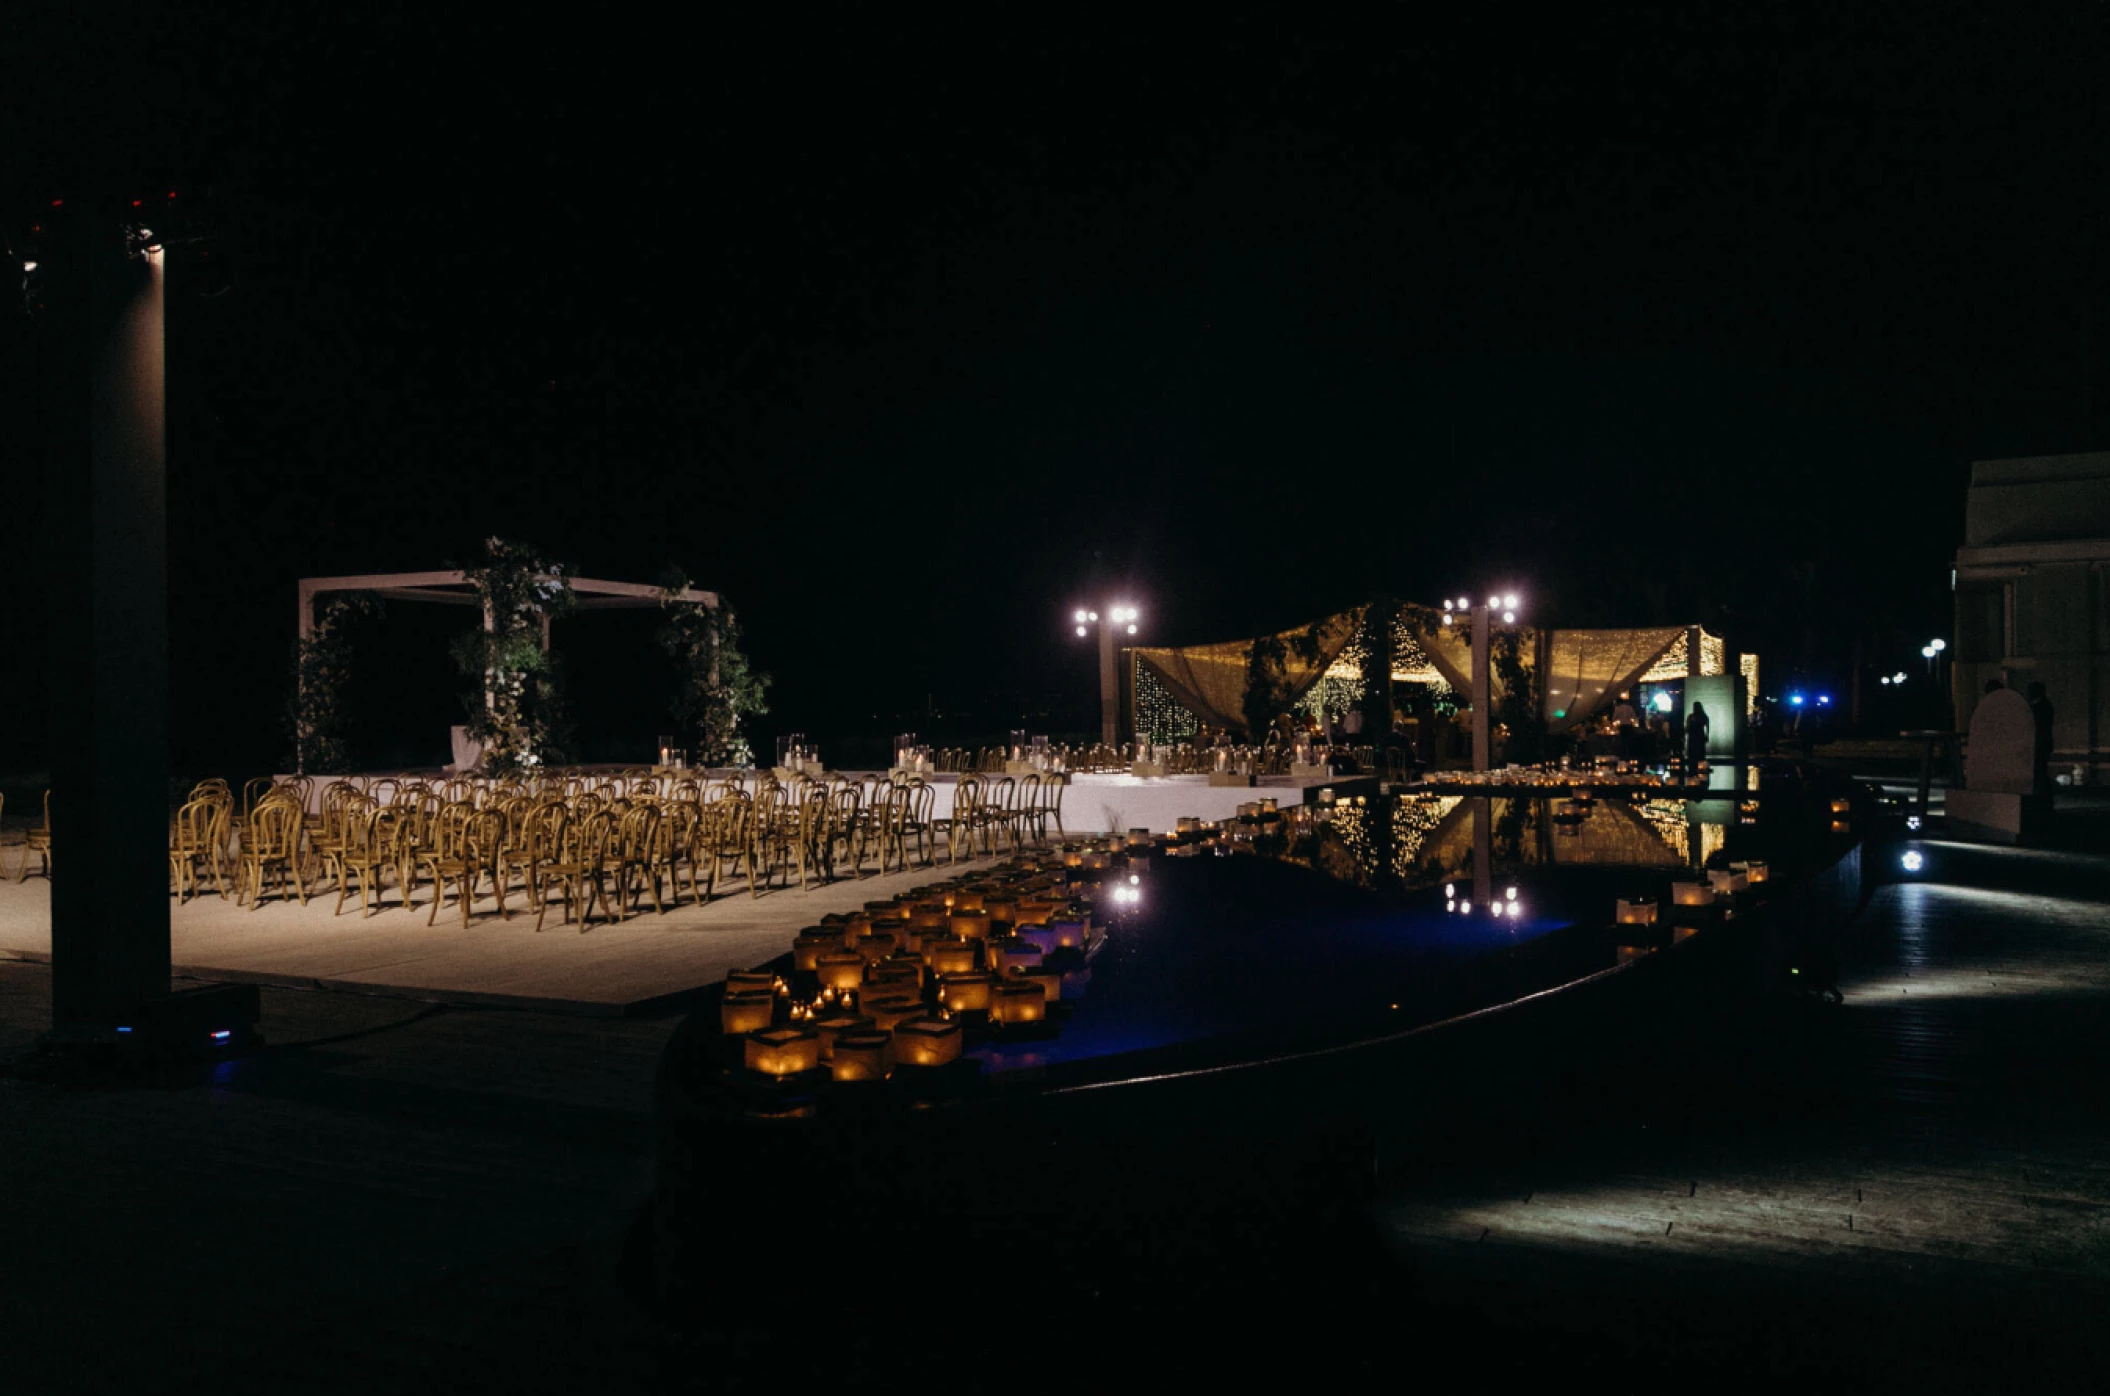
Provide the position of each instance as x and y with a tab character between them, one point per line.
195	845
475	841
959	827
370	844
582	848
273	841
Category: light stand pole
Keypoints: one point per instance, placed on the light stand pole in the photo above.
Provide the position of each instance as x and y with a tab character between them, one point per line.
106	529
1481	619
1109	684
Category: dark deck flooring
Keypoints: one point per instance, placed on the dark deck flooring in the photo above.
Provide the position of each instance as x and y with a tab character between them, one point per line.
1909	1190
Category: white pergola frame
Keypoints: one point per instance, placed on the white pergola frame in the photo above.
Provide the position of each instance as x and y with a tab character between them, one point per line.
452	588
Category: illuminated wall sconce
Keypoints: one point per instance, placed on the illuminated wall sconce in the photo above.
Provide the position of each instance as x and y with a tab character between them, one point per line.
831	1028
1018	1001
1019	954
890	1010
839	969
863	1056
1842	807
1842	826
785	1051
927	1042
810	945
1637	913
964	993
951	956
749	1010
898	972
1691	894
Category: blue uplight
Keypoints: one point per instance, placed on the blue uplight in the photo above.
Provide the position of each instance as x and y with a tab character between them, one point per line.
124	1029
1794	700
222	1035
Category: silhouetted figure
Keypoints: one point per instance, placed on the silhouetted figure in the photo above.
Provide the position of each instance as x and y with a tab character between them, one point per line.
1695	736
1994	685
2040	756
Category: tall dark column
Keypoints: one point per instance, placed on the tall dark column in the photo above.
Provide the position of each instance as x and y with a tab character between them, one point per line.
107	533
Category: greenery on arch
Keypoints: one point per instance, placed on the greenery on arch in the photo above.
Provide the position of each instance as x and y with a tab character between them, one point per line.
517	709
716	686
316	721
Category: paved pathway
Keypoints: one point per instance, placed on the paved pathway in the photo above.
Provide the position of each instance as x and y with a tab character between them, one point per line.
1910	1189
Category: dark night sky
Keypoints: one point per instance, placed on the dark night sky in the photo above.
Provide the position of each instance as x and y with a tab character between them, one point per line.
907	339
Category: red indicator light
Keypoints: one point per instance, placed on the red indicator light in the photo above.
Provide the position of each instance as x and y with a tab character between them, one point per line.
136	202
58	203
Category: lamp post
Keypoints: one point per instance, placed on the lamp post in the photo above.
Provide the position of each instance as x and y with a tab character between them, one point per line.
1481	618
1931	651
1121	617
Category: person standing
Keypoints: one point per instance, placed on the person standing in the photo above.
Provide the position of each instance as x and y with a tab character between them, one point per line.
1695	737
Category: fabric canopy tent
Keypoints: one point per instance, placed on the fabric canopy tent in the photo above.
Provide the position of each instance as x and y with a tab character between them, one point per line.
1579	671
1210	680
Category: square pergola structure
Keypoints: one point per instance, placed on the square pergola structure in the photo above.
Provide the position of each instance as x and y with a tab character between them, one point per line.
453	589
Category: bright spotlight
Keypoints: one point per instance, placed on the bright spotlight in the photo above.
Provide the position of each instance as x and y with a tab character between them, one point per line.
1926	651
1446	615
1912	821
1509	618
1939	644
1465	906
1131	630
1511	894
1465	603
1897	677
1091	615
1080	615
1663	702
1886	680
1824	700
1509	603
1794	700
1080	630
1913	860
29	266
1446	600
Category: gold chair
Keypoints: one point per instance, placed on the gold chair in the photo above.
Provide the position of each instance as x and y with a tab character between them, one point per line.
370	845
199	836
469	848
582	848
273	840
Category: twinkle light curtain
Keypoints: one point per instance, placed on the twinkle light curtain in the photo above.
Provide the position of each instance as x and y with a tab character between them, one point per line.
1210	680
1583	666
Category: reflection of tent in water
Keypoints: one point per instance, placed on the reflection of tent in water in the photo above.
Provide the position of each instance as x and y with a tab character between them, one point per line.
1170	689
1432	836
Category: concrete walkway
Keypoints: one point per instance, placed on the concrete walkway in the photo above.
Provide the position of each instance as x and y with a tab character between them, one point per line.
609	968
1911	1189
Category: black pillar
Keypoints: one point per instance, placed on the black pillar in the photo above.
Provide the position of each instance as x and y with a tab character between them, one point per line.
106	528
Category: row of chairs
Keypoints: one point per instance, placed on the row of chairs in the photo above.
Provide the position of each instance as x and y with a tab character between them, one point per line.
611	848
